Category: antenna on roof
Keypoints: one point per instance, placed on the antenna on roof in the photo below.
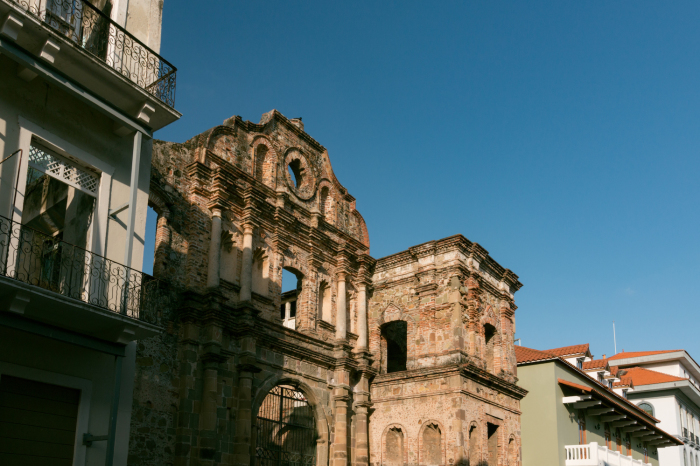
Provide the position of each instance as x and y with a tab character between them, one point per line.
517	340
614	337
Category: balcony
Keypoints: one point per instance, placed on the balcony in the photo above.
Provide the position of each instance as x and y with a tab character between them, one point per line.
92	38
72	288
595	455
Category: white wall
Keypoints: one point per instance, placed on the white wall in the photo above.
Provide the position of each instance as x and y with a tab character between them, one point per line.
69	122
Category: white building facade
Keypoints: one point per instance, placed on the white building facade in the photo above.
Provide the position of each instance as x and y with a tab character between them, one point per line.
82	89
666	384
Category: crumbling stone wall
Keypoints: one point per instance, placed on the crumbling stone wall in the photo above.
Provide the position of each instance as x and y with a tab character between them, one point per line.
231	219
242	202
447	292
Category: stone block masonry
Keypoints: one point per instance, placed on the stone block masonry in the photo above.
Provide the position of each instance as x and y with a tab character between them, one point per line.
403	360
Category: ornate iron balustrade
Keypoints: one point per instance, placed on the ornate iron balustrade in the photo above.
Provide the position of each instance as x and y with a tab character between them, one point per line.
32	257
80	22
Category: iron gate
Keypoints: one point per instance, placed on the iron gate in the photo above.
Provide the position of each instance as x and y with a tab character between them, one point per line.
286	429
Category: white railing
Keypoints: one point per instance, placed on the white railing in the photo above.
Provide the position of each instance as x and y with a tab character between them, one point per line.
593	454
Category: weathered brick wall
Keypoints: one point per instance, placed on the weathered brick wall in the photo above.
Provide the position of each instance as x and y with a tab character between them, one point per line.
154	410
446	291
193	401
199	386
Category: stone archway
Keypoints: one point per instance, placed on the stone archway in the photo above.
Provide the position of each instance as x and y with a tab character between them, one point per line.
301	442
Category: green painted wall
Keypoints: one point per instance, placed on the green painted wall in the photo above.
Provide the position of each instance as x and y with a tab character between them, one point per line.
539	417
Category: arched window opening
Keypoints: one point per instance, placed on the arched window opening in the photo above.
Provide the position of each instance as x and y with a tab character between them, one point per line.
286	429
260	154
393	455
323	200
324	302
350	315
296	172
432	445
647	408
291	290
493	444
490	346
512	452
474	456
261	272
149	243
395	346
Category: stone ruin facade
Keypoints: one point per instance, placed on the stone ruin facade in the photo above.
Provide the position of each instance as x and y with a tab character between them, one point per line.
405	360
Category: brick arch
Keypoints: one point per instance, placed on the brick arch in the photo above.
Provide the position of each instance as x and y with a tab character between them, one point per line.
265	170
329	209
404	452
295	263
494	360
322	415
159	200
395	312
222	143
474	453
362	225
421	446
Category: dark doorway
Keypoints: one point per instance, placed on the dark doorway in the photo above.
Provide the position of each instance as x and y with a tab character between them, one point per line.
493	444
395	336
286	429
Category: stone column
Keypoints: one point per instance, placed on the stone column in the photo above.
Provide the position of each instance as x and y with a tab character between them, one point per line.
209	392
361	436
247	268
362	421
340	438
341	320
214	249
163	238
242	440
362	339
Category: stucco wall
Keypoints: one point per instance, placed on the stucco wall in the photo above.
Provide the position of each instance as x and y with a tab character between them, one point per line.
65	117
540	417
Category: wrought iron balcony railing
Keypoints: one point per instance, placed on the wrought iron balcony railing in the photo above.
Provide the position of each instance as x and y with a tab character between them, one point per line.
87	27
32	257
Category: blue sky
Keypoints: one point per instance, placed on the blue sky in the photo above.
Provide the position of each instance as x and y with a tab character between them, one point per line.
561	136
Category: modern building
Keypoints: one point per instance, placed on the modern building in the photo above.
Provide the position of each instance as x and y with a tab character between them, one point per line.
407	359
576	413
82	89
666	385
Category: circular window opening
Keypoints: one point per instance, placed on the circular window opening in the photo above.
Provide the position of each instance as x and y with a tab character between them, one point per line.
296	172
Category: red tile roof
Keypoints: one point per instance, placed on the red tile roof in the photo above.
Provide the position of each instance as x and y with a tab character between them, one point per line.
636	354
624	382
523	354
595	364
526	355
642	376
569	350
575	385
